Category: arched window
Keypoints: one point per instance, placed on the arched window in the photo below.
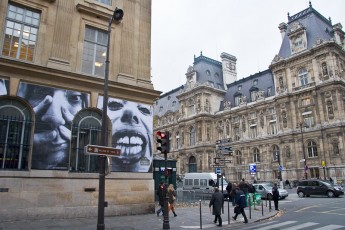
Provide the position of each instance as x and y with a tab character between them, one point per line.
256	155
86	129
192	136
276	153
15	134
312	149
192	164
303	76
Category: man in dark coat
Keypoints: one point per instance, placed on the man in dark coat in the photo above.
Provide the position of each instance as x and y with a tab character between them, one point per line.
161	191
275	193
240	200
217	202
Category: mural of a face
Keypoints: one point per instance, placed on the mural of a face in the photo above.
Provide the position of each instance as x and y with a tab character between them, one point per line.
132	126
54	110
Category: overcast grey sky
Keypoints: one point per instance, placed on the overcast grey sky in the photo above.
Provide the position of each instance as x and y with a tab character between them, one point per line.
247	29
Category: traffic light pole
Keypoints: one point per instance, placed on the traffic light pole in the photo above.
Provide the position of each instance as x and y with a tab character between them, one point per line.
166	224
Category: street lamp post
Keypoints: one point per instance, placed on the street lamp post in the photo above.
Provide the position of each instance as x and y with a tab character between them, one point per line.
305	159
117	17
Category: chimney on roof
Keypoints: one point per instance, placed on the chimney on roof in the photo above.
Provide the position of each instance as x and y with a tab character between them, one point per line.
339	34
229	68
282	27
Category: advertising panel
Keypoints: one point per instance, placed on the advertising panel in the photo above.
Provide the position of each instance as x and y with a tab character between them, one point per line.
54	110
132	125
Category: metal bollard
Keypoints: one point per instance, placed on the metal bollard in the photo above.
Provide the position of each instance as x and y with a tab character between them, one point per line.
269	204
200	215
262	208
250	208
229	210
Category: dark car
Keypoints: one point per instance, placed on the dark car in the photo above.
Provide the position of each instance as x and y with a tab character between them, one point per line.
318	187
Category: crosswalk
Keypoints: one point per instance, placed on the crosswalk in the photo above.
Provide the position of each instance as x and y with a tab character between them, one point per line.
295	225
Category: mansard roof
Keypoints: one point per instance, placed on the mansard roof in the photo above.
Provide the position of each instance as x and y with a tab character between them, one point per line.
317	28
208	71
167	102
244	86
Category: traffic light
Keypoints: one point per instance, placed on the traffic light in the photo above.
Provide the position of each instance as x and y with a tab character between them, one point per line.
163	144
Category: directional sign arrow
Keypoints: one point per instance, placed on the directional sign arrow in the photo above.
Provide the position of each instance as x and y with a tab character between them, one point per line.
102	150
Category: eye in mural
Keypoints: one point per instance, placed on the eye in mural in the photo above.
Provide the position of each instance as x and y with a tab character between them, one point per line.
132	125
54	111
3	86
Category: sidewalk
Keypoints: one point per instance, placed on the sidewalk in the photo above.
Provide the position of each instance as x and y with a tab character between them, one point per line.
188	218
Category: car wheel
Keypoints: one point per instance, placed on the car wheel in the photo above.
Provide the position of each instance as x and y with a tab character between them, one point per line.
330	194
300	194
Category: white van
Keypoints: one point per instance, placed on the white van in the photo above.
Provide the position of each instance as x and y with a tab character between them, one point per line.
204	182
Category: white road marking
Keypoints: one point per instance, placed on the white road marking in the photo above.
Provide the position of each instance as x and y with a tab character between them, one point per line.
276	225
301	226
330	227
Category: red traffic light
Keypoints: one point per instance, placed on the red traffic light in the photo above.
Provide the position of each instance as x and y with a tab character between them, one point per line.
161	134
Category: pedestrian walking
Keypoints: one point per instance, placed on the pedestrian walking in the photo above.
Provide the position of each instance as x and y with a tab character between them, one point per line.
217	201
233	194
240	200
275	193
172	198
228	189
161	195
287	183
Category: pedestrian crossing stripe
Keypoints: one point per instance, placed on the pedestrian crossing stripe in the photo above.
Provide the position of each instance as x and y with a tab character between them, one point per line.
273	226
296	226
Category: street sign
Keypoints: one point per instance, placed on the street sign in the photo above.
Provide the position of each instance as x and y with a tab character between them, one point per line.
217	166
302	160
218	170
228	140
102	150
252	168
280	168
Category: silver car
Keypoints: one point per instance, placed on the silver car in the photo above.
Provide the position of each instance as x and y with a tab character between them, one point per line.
266	191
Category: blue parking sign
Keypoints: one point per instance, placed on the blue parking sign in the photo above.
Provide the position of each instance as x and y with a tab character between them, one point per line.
218	170
252	168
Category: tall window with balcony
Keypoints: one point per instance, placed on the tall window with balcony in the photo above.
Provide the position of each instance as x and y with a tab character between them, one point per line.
94	52
237	134
253	131
256	155
177	139
238	155
21	33
191	106
303	76
192	136
312	149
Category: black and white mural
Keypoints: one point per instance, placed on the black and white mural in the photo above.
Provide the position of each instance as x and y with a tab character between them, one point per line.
132	125
54	110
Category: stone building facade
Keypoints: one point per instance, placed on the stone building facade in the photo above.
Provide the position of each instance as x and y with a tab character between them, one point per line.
52	68
292	113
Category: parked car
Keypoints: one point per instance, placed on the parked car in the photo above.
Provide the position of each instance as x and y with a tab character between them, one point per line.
318	187
265	189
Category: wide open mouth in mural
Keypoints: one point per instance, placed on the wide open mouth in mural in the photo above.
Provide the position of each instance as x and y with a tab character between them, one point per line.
132	145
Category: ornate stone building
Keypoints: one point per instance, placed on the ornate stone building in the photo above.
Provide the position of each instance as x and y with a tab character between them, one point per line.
292	112
52	68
